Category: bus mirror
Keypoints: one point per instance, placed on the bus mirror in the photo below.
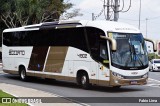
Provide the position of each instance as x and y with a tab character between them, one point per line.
113	42
153	42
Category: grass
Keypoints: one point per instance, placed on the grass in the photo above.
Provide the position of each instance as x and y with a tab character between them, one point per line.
5	95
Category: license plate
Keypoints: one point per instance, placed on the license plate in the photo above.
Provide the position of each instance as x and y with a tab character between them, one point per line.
133	82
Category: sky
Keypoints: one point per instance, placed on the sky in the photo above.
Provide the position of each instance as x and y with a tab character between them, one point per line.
150	9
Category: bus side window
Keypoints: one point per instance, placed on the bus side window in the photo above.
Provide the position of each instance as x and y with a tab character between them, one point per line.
98	46
93	40
103	50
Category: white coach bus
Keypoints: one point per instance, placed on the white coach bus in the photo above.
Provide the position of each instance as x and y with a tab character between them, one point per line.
87	52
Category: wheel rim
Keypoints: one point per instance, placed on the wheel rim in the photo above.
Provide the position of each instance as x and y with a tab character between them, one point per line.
23	74
83	80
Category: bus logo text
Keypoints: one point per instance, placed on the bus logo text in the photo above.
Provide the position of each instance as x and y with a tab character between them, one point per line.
82	55
134	73
16	52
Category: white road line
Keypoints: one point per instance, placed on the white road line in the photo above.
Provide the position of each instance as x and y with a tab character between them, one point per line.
156	86
153	83
1	74
154	80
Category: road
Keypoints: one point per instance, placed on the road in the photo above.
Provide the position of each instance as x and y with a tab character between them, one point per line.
155	75
68	89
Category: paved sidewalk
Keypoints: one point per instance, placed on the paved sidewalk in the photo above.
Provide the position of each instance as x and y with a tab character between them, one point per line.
19	91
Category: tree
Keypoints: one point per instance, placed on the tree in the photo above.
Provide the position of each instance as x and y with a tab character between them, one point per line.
15	13
72	14
153	56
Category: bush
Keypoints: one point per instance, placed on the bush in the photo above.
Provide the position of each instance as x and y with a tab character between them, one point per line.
153	56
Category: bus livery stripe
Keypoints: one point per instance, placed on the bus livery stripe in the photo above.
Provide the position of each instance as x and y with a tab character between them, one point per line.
38	57
55	60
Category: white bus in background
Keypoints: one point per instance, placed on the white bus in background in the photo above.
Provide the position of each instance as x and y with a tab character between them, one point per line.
88	52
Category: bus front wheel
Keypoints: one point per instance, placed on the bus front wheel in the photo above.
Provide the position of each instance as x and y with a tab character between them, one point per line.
22	74
84	81
116	87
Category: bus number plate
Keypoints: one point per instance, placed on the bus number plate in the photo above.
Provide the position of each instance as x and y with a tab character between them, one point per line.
133	82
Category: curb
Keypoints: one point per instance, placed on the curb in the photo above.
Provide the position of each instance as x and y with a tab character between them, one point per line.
29	92
1	65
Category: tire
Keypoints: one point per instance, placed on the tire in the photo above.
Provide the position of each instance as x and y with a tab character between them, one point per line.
22	74
152	69
116	87
84	81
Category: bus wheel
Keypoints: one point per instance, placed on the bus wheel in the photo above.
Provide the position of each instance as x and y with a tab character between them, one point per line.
152	69
116	87
22	73
85	81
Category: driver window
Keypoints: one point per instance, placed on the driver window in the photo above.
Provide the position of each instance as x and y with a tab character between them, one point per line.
98	47
103	50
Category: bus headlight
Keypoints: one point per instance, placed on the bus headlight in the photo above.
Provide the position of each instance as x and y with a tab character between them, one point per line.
145	75
117	75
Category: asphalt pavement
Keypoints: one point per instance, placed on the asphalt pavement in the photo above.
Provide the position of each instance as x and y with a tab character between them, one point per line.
72	91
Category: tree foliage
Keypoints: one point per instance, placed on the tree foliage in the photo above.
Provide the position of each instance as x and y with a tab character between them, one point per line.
153	56
15	13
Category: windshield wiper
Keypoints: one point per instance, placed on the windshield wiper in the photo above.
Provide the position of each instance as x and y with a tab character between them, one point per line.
137	56
126	64
140	60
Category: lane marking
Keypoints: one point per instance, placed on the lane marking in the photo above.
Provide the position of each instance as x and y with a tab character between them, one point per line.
1	74
153	83
154	80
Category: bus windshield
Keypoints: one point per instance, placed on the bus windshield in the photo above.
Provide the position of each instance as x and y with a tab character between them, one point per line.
131	51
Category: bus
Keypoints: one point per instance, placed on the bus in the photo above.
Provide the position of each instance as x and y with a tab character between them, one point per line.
101	53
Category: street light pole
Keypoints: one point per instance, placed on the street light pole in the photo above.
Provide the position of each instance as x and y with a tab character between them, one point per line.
146	30
108	11
116	11
92	16
140	15
146	26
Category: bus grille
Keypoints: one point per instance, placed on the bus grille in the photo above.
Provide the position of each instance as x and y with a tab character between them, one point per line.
132	77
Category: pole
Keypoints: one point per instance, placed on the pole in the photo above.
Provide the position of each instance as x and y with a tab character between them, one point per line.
140	15
146	31
108	11
116	11
92	16
146	26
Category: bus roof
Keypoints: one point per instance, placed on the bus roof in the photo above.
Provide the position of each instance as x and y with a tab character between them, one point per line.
112	26
104	25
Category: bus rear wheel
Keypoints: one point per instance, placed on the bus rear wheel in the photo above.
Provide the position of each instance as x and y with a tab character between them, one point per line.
22	73
84	81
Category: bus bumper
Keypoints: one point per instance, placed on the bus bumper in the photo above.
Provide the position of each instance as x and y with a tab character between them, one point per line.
116	81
